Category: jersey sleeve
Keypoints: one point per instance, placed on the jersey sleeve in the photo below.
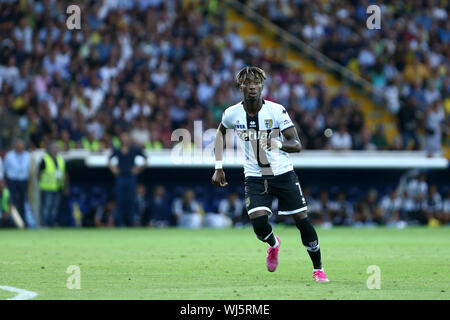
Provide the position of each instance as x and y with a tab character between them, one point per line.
226	121
284	121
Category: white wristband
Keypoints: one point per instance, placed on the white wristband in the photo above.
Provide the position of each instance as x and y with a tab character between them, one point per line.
219	164
279	144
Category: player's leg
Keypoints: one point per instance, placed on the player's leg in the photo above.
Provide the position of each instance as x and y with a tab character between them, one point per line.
309	238
264	232
292	202
262	228
311	242
259	202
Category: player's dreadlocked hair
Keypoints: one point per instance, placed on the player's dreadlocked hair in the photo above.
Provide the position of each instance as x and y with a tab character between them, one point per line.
244	73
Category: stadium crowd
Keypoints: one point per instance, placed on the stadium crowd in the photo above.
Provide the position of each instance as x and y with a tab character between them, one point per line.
148	67
407	60
152	66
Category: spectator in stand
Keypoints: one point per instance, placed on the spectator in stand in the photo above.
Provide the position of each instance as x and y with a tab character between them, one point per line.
90	143
2	174
433	129
320	210
445	217
217	220
341	99
52	172
390	205
341	140
102	215
188	211
434	206
417	187
65	143
417	191
408	117
378	139
17	171
367	212
122	164
142	206
355	128
233	208
407	206
341	210
160	209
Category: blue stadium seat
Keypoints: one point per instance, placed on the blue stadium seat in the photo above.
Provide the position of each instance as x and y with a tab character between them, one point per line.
97	196
354	194
333	190
443	190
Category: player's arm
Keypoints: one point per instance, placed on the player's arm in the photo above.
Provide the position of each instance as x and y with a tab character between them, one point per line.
291	141
290	144
218	179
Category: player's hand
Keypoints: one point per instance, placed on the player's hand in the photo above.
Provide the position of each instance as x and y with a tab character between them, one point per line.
115	171
269	145
218	179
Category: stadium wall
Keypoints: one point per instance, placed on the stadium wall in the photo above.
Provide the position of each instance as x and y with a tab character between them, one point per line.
317	170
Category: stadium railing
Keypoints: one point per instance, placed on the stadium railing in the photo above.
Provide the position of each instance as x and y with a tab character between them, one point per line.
309	52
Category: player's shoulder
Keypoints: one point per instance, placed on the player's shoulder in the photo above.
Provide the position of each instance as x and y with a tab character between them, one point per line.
235	108
274	106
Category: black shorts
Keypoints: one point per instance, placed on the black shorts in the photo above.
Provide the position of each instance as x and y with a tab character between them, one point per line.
259	193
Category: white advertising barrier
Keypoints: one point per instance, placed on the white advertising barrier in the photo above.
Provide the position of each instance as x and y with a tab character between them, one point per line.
305	159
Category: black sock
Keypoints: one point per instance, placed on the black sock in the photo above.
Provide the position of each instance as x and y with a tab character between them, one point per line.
263	230
310	241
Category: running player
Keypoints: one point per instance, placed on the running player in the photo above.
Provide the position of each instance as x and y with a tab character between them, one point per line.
267	134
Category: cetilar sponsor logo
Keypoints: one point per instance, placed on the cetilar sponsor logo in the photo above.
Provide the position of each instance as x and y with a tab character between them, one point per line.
252	135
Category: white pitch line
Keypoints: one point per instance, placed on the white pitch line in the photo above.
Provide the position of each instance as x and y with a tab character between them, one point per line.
21	293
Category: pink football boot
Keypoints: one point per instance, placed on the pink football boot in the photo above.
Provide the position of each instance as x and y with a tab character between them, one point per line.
272	257
319	276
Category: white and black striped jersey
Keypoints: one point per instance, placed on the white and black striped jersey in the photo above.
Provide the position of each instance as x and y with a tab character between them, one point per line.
270	121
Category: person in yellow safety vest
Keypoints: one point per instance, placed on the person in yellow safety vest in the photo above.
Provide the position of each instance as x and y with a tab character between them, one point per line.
5	206
115	141
52	171
156	145
65	143
90	143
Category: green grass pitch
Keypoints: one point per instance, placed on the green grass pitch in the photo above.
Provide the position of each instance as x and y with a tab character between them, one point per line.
224	264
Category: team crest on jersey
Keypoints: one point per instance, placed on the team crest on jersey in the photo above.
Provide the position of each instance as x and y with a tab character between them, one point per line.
268	123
